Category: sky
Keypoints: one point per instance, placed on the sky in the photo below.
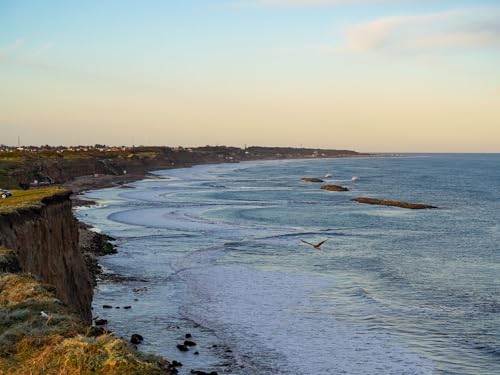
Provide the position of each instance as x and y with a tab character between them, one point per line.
368	75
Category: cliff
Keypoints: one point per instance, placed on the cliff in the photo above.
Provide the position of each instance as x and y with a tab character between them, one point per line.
39	227
46	296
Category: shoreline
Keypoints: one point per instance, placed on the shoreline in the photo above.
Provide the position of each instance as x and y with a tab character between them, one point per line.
125	327
84	184
184	328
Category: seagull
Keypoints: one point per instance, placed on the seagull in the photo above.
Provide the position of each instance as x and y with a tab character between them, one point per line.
44	315
317	246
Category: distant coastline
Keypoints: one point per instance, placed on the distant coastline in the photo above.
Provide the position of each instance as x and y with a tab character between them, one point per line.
83	170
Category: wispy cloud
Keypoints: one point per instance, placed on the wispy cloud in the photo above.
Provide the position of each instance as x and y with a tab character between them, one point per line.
302	3
17	50
42	49
7	50
295	2
467	28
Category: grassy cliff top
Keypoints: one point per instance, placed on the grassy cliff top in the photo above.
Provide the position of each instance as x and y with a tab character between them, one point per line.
29	198
38	335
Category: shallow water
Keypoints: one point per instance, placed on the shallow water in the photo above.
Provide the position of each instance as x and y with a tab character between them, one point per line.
216	250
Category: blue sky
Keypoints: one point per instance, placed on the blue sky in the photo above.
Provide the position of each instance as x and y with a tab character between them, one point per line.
255	72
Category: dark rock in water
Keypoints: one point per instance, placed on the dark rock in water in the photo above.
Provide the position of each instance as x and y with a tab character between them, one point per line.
312	179
334	188
229	351
381	202
176	364
214	346
188	335
196	353
127	307
198	372
189	343
107	307
182	347
101	322
136	339
117	307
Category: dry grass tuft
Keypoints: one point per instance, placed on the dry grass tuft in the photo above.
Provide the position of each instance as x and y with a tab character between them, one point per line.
54	342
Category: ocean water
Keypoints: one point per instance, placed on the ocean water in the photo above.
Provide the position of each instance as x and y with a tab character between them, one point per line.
216	251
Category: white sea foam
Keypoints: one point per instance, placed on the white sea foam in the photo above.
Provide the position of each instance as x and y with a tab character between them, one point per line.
247	277
278	325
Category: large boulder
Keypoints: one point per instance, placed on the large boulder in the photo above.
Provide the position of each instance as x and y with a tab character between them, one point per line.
312	179
334	188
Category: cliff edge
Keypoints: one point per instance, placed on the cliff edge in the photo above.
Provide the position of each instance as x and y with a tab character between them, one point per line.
46	296
39	228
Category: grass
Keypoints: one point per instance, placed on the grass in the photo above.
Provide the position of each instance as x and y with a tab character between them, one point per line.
8	261
34	344
28	198
6	181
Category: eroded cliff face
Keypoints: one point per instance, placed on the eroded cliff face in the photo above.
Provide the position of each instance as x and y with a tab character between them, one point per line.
45	242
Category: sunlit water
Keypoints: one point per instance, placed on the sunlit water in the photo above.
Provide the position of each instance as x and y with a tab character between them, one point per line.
216	252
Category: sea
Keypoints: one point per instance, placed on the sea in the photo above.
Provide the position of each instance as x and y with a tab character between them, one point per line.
216	251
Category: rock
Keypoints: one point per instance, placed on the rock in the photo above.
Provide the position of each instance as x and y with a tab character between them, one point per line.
96	332
381	202
189	343
127	307
176	364
136	339
198	372
188	335
107	307
182	347
312	179
334	188
101	322
196	353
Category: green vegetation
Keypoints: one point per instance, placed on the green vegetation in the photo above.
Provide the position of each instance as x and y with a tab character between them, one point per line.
8	261
6	181
38	335
109	249
29	198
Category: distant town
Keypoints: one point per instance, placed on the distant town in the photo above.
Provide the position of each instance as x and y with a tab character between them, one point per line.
62	149
33	166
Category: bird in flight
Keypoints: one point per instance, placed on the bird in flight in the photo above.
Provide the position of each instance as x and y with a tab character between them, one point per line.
316	246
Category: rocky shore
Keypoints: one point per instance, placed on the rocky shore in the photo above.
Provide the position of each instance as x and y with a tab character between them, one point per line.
46	294
52	288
